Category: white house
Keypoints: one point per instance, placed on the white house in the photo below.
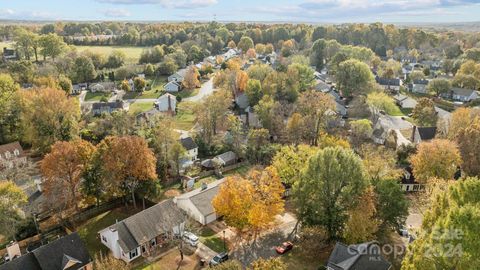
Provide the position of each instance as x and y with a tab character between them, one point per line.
172	87
191	147
141	233
198	203
166	103
463	95
11	154
420	86
178	76
389	84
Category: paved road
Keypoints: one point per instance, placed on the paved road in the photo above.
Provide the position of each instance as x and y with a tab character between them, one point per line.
395	122
205	90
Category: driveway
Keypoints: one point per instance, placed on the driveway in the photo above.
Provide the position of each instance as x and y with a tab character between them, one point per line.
395	122
205	90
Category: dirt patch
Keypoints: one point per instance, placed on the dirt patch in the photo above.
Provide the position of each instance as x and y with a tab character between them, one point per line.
172	193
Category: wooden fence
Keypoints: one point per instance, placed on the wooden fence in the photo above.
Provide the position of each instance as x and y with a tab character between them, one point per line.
221	170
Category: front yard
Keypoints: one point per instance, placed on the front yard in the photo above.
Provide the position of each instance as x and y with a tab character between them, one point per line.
172	261
185	118
209	238
155	91
96	96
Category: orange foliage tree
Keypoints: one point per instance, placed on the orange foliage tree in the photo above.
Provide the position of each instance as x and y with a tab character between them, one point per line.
62	169
241	80
128	161
191	78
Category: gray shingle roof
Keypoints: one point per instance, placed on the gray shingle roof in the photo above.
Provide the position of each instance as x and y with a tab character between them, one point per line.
146	225
52	256
188	143
202	199
462	91
361	256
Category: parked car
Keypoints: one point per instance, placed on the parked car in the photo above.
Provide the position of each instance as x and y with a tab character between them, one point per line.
218	259
190	238
284	247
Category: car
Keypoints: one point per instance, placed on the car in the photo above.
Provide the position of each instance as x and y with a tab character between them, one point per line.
284	247
218	259
190	238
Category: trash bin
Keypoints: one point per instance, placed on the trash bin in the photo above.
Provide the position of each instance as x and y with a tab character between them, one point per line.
203	262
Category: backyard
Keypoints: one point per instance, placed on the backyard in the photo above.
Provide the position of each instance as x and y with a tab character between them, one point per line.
154	92
185	118
96	96
139	107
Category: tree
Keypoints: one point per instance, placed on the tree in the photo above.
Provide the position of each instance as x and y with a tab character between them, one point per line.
317	57
84	70
437	158
468	141
424	113
390	69
149	70
269	48
167	66
269	264
152	55
353	77
65	84
125	86
191	79
107	262
302	74
439	86
9	114
254	92
128	161
327	188
313	106
449	229
291	160
12	198
241	81
379	162
461	118
251	53
362	223
48	115
164	140
251	203
139	83
212	112
231	44
295	128
392	204
260	48
257	140
116	59
52	45
229	265
63	169
380	101
361	131
416	75
245	43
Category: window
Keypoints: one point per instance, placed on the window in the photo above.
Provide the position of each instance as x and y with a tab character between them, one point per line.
104	239
153	242
133	253
7	155
16	152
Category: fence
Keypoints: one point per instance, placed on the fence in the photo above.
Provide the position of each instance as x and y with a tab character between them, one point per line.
224	169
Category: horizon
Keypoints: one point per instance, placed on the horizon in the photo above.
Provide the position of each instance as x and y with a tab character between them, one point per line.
269	11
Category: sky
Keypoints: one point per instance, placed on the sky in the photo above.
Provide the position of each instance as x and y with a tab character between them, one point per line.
320	11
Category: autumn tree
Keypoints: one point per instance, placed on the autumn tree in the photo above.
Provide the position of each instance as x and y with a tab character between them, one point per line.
353	77
461	118
390	69
379	162
424	113
9	109
468	141
211	113
12	198
231	44
125	86
139	84
361	131
245	43
314	107
331	182
295	128
163	139
448	237
380	101
303	74
63	169
251	53
107	262
391	205
439	86
254	92
269	264
48	115
436	158
241	81
362	223
191	79
128	161
291	160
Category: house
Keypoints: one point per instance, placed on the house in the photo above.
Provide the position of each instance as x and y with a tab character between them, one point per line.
408	181
419	86
250	118
227	158
198	203
178	76
241	100
461	94
191	147
405	102
230	54
166	103
66	253
322	86
102	87
361	256
141	233
420	134
99	108
11	154
79	87
9	54
389	84
172	87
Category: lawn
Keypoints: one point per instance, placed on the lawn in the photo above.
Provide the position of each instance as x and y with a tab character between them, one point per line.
208	238
95	96
295	260
394	111
133	53
185	93
155	91
138	107
88	231
185	118
206	180
171	261
242	170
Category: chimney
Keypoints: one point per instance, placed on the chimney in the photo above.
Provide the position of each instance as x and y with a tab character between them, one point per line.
204	186
414	129
169	103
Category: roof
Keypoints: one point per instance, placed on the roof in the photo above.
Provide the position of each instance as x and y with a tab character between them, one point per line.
11	147
147	224
227	156
59	254
112	105
361	256
188	143
420	81
202	198
386	81
166	96
173	82
427	133
462	91
182	72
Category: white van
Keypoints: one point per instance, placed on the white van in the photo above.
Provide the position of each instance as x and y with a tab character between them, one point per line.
190	238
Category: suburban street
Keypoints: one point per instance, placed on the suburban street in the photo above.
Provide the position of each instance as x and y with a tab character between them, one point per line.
205	90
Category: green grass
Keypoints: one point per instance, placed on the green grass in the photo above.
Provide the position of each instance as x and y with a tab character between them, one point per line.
206	180
6	45
394	111
207	237
88	231
185	93
95	96
133	53
155	91
139	107
185	118
242	170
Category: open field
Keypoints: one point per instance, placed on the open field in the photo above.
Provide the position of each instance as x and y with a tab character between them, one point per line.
133	53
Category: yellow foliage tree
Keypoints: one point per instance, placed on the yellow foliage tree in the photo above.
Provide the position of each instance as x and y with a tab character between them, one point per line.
362	224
